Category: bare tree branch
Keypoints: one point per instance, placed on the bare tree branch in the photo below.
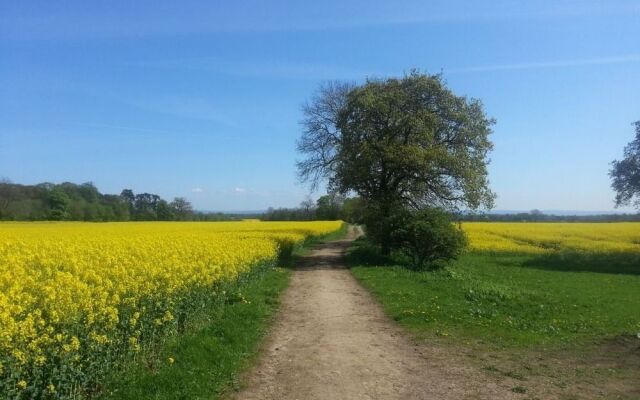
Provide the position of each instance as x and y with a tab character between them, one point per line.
320	138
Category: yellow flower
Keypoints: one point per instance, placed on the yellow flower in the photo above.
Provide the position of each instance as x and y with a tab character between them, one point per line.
134	343
73	345
134	319
20	356
542	238
171	360
63	282
22	384
99	339
167	316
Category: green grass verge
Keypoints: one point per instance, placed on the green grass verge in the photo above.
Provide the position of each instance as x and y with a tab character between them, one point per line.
205	362
509	299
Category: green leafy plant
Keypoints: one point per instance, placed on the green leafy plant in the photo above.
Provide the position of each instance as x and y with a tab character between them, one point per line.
428	237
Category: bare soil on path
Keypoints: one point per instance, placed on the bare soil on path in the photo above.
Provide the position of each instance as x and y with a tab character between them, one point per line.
331	340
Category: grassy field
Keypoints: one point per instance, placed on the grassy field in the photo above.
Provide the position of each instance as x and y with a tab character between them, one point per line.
508	300
552	309
560	284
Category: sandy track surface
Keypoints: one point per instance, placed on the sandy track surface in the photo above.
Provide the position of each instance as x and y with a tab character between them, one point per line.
331	340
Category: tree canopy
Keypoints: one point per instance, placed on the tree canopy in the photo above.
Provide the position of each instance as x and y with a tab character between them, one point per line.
625	174
72	202
403	145
409	140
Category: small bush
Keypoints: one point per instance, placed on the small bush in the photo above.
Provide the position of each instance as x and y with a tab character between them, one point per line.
429	238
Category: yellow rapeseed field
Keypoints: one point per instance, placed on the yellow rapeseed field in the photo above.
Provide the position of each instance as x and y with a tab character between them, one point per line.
75	297
548	237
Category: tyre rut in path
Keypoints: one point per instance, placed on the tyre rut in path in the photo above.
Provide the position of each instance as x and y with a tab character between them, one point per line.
331	340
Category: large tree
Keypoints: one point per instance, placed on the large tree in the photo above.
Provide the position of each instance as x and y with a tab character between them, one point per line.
145	206
182	208
58	202
329	207
409	141
625	174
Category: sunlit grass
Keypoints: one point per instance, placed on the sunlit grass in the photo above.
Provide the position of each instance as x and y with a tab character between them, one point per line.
565	295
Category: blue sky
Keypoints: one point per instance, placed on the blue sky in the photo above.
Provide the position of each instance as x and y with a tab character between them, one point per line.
202	99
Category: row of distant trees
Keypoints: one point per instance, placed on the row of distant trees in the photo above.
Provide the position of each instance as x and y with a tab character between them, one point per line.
539	216
151	207
327	208
352	210
65	201
73	202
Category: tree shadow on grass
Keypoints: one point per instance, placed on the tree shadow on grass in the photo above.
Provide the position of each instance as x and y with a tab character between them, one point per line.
363	252
608	263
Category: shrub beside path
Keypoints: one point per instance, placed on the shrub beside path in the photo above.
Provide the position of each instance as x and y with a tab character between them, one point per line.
331	340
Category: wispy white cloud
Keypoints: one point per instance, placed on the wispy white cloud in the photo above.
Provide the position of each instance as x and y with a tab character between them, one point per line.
239	190
103	21
197	190
293	70
547	64
270	69
181	106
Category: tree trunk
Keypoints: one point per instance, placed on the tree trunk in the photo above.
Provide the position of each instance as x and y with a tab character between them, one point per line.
385	246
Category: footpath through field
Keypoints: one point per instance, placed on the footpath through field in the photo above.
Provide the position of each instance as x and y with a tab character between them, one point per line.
331	340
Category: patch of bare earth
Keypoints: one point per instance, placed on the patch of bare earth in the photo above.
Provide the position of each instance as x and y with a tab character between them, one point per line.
609	370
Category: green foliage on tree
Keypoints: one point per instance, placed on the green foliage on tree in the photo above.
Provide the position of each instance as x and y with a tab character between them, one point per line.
329	207
181	208
408	140
429	238
129	198
145	205
58	202
69	201
164	211
353	210
625	174
400	144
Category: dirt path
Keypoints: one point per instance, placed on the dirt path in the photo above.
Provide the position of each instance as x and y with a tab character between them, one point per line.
331	340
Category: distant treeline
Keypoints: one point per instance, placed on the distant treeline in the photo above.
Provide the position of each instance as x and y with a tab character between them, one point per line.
327	208
538	216
72	202
331	207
